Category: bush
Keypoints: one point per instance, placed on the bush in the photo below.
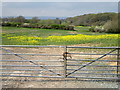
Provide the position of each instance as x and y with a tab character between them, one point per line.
96	29
11	24
64	27
99	29
111	27
45	26
55	26
71	27
6	24
92	29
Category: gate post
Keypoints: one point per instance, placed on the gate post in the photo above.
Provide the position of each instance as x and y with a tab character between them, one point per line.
118	62
65	63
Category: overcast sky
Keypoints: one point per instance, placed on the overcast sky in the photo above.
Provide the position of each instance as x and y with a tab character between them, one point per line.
56	9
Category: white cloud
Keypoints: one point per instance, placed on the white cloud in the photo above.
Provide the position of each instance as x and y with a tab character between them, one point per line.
60	0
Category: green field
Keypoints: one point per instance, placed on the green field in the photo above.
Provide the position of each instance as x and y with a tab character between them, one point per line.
34	36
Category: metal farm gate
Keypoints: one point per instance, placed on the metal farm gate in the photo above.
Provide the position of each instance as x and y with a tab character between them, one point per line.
60	62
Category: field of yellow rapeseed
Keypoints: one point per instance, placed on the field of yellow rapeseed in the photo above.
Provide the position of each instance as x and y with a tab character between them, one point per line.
80	37
68	39
25	39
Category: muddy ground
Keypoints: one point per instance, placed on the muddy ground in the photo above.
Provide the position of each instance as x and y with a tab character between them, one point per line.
38	78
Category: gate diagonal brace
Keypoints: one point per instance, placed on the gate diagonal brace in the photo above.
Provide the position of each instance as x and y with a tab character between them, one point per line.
92	61
30	61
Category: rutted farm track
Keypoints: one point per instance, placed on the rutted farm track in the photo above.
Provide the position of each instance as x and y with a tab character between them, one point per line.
35	82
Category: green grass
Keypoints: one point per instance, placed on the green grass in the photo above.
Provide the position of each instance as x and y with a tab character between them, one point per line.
47	32
15	31
44	33
34	32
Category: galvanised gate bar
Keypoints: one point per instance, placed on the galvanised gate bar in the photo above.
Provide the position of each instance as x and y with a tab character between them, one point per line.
49	62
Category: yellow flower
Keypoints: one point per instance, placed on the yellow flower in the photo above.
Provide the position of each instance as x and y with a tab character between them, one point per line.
67	38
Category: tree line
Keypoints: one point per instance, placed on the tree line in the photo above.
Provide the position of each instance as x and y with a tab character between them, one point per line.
35	22
105	22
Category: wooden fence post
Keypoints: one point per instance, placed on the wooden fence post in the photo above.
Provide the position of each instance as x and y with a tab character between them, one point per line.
65	63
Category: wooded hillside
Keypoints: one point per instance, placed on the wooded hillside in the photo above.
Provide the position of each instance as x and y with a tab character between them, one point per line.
91	19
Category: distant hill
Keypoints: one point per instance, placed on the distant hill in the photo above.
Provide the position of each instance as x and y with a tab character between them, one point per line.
44	17
90	19
39	17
